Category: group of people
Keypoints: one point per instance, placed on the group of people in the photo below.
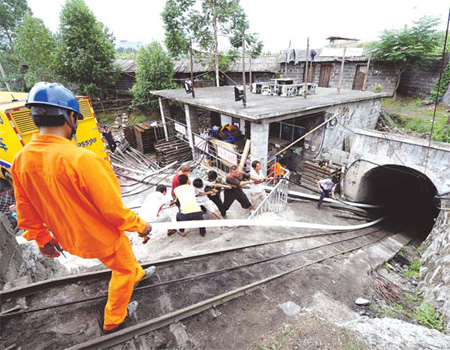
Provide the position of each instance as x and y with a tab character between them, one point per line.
201	196
61	204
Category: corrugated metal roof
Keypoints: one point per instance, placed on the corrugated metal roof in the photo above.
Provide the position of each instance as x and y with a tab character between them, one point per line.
183	65
126	65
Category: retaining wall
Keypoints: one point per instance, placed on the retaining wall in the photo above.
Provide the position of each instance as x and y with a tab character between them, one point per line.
435	274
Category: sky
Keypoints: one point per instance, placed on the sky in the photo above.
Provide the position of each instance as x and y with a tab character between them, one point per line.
276	22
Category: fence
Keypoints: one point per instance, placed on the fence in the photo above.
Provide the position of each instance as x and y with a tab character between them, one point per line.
204	148
276	200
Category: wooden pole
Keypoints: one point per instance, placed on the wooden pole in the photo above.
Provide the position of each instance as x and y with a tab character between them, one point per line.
305	91
216	45
367	73
250	70
341	74
192	67
286	66
308	133
244	155
244	84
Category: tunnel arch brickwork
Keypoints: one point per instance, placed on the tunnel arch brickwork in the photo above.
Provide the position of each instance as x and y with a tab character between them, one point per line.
371	148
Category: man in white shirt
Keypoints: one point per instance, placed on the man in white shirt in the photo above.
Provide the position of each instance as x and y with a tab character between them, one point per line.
202	197
152	211
257	191
325	186
189	209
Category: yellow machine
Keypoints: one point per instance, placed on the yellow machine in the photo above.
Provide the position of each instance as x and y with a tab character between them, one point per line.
16	128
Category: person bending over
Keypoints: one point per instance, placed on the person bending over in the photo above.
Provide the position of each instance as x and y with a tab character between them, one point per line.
189	209
152	209
325	187
235	180
202	197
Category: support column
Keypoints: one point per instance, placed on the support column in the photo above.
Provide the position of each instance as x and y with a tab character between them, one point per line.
260	144
192	125
165	111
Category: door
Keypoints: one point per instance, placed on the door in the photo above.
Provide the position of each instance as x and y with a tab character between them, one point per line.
325	73
359	77
311	70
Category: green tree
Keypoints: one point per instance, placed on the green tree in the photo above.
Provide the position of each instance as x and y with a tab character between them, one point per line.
154	71
35	45
12	12
85	52
408	47
203	21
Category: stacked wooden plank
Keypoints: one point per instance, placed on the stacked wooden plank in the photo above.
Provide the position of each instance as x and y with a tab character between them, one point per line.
312	172
172	150
147	135
130	136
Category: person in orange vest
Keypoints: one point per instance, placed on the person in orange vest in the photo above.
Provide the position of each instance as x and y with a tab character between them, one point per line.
69	198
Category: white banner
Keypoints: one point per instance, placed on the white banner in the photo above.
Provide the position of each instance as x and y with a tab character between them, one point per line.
180	128
227	155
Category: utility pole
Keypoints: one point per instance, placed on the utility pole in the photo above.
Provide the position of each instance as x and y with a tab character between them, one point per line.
192	67
341	74
287	51
305	91
250	70
367	73
244	84
216	53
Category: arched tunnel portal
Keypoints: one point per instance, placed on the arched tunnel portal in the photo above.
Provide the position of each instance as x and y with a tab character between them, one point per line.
406	194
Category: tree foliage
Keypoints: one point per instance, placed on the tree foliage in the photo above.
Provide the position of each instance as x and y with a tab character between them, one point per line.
154	71
12	12
35	46
185	19
85	51
408	47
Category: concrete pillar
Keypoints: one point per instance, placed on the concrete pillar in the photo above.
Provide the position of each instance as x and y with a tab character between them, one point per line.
165	112
192	125
260	144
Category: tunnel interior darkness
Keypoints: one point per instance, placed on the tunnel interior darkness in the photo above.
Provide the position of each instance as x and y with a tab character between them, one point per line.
407	194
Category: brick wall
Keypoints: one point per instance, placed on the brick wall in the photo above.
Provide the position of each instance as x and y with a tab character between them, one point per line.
420	82
379	74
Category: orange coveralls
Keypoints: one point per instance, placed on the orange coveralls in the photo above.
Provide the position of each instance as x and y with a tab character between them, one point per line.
74	193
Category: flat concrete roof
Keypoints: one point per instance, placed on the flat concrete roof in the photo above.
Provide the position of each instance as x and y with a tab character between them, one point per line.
260	107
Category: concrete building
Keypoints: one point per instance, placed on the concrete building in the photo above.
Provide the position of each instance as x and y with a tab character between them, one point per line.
272	122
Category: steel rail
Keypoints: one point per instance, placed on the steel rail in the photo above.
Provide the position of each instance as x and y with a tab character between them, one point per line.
185	279
38	286
176	316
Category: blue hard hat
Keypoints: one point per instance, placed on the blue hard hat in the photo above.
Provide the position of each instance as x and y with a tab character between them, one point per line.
53	94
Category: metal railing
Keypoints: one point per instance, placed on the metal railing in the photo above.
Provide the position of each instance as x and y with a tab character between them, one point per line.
276	200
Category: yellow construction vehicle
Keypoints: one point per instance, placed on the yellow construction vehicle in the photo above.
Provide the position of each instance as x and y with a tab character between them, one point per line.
16	128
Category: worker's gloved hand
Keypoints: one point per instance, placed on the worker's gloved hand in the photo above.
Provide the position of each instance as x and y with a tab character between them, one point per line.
51	249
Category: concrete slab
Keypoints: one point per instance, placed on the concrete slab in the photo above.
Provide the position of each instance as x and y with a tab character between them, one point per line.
259	107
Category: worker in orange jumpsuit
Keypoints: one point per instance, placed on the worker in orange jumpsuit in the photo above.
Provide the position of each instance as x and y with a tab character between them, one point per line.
68	197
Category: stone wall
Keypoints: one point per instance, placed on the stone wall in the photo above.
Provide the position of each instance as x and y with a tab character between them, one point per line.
358	115
435	274
379	74
419	82
11	261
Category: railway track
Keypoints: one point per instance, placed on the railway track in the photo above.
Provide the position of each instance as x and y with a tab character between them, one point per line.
67	310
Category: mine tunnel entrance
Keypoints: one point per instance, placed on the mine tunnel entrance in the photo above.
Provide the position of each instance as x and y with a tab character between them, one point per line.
407	194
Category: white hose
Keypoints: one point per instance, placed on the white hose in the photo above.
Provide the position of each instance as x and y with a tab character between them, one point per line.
258	222
316	197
